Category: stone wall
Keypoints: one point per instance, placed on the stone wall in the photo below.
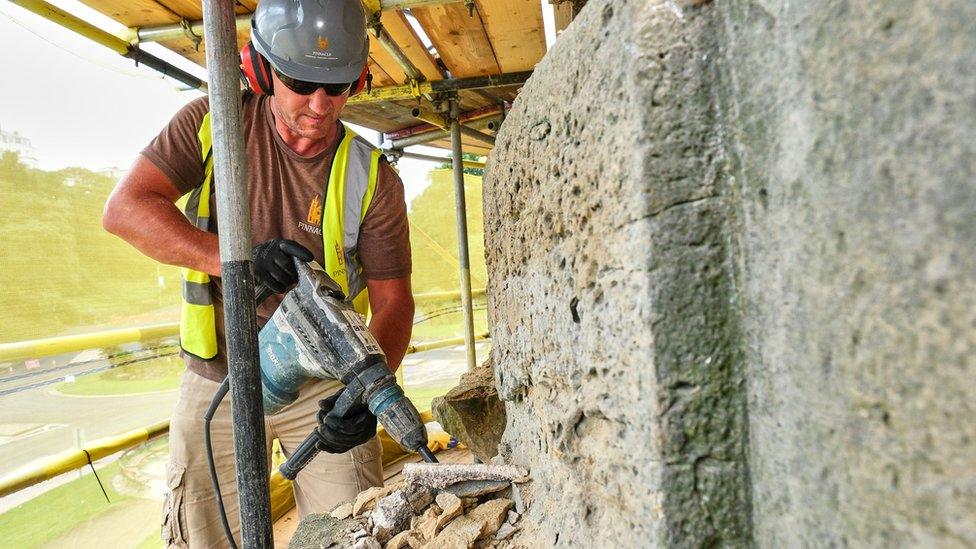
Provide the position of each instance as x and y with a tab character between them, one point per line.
731	278
851	128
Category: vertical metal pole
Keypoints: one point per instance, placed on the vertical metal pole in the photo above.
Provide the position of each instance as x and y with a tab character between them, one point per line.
240	319
462	235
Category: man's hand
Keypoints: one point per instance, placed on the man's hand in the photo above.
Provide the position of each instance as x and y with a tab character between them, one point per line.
273	263
341	434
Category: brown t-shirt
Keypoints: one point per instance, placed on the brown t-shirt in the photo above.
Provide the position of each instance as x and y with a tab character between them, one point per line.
286	192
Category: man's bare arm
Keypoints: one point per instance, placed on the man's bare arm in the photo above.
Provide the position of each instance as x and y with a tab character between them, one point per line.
391	302
142	212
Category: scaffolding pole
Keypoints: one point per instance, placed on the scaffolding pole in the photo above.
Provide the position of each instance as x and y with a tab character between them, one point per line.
80	26
462	235
220	31
490	123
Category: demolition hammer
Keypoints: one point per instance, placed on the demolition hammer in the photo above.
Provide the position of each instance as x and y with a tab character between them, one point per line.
316	334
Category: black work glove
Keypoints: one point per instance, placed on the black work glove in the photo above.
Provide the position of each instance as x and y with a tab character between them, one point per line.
341	434
273	263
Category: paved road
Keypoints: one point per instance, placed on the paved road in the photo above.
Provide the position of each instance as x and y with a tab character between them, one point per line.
39	422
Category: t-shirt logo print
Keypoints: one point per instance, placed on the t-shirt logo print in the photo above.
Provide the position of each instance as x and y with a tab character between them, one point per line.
315	211
313	221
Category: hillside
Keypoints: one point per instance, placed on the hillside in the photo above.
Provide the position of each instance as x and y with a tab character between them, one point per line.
82	278
79	276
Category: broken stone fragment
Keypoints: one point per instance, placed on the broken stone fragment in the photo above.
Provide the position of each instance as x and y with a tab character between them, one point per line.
426	525
505	531
399	541
472	412
342	511
513	517
469	502
391	516
366	499
450	507
415	541
419	497
442	475
366	543
475	488
322	530
484	520
491	514
459	534
517	498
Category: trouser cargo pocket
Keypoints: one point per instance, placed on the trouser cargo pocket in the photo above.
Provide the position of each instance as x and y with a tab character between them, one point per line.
174	510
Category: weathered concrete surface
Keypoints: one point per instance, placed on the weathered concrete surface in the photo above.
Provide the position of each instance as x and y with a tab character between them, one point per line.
850	127
472	412
742	229
610	294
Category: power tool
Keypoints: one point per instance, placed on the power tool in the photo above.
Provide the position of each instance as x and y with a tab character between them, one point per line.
316	333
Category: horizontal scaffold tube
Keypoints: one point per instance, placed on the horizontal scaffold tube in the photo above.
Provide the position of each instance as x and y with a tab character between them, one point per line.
422	347
47	468
38	348
492	122
76	458
432	158
57	15
393	93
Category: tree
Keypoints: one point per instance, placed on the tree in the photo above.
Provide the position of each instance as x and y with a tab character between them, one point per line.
465	156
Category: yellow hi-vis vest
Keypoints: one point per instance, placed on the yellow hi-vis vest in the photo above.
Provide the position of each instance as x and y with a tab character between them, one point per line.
352	183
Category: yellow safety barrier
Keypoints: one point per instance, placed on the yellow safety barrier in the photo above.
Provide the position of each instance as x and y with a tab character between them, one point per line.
64	462
421	347
36	348
444	296
282	494
76	458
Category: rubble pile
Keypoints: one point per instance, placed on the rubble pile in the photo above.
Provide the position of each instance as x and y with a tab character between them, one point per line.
443	506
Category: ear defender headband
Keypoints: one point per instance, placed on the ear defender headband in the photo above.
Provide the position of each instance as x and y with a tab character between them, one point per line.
256	71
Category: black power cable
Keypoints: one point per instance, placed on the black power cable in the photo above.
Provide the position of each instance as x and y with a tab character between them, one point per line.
207	417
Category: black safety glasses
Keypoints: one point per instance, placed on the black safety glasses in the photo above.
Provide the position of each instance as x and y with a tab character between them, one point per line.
302	87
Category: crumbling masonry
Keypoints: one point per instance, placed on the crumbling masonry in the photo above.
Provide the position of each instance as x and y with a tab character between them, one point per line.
732	275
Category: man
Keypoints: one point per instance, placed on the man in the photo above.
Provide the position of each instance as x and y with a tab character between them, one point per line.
315	191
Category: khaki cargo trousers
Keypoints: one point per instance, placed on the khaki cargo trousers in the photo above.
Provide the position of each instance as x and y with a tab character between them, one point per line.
190	516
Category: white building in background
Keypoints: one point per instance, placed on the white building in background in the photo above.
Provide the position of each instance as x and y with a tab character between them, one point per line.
13	141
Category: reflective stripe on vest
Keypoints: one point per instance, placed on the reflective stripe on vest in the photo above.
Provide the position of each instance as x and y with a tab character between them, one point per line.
352	183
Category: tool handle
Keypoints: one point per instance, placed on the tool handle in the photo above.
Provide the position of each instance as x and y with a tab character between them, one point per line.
348	399
297	461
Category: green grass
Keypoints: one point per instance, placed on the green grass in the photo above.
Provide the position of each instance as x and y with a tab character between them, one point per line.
422	396
60	509
148	376
448	326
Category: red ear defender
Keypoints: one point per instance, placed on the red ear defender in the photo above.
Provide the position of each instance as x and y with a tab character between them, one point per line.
365	80
256	71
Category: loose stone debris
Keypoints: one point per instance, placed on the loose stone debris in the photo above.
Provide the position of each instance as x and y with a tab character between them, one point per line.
438	476
436	506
